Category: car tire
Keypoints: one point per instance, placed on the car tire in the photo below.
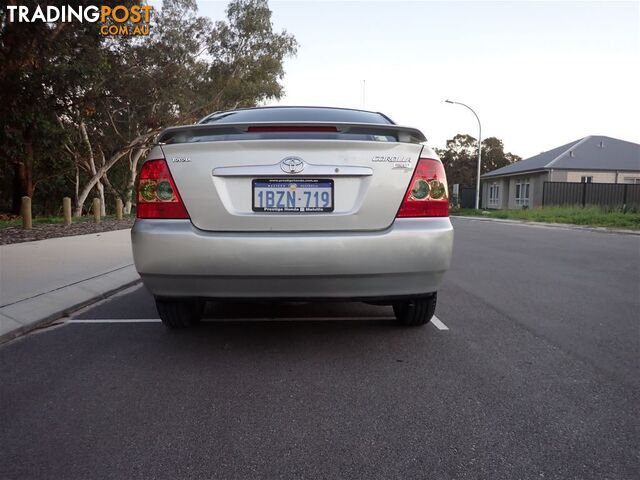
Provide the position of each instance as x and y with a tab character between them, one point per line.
416	312
180	313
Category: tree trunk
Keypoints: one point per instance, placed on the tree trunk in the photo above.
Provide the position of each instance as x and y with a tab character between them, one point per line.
138	142
23	174
107	183
133	172
77	184
100	188
95	179
92	168
20	186
101	183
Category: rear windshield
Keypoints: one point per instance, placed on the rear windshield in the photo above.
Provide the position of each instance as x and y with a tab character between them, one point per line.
297	114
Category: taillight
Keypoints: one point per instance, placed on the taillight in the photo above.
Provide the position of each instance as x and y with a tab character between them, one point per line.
158	196
427	195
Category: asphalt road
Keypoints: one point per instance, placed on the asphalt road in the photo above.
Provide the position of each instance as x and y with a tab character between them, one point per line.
537	377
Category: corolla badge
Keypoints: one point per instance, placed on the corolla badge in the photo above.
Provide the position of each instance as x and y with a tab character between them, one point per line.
292	165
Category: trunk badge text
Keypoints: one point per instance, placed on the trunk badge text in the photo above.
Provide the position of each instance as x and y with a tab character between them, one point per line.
180	159
399	162
292	165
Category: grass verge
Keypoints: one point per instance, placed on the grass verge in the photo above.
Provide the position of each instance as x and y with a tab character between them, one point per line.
587	216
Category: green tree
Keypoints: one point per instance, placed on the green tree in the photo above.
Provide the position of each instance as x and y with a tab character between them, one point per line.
40	65
186	69
494	156
79	110
247	56
460	158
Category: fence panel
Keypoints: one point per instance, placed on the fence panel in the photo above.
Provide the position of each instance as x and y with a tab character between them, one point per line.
605	194
468	197
601	194
562	193
633	195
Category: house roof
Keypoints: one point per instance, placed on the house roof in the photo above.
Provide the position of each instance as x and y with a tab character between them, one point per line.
595	152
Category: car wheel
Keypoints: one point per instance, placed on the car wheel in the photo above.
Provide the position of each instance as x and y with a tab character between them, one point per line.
415	312
180	313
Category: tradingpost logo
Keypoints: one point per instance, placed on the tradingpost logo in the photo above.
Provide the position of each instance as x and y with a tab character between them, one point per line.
113	20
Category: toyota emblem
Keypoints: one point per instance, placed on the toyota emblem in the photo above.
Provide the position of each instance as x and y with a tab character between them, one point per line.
292	165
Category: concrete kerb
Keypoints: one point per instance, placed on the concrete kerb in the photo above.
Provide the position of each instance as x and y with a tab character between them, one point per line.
24	316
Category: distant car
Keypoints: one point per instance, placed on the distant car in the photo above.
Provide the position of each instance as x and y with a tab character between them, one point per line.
292	203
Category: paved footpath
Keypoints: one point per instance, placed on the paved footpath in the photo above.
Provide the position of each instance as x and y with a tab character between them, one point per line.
40	281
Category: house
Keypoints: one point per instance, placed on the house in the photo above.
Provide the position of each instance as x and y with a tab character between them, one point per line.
592	159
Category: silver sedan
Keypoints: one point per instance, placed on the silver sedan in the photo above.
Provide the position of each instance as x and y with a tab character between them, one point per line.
292	203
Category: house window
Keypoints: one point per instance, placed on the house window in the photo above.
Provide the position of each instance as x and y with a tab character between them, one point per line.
586	179
632	180
522	192
494	194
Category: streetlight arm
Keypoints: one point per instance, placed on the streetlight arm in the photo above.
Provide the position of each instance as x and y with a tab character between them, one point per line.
472	111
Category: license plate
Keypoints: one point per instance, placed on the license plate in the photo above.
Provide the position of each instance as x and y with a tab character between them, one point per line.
285	196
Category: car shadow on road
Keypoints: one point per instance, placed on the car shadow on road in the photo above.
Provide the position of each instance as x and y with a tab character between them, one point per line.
138	303
290	340
262	320
298	310
253	326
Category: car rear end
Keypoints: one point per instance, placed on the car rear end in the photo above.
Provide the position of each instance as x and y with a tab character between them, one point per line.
292	204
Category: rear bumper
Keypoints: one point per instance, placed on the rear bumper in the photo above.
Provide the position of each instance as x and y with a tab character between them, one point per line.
175	259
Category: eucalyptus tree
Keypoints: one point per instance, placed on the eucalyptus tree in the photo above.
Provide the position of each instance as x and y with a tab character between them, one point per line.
186	68
79	110
43	70
460	157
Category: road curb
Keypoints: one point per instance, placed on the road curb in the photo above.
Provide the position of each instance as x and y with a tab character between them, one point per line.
19	318
564	226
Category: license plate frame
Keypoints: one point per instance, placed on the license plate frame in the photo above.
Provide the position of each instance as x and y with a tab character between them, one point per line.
306	183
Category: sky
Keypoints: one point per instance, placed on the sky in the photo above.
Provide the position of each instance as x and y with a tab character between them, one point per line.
538	74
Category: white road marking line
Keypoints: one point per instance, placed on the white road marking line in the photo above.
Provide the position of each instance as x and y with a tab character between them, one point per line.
116	320
438	323
434	320
213	320
270	319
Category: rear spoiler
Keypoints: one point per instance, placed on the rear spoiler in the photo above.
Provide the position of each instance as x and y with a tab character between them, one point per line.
186	133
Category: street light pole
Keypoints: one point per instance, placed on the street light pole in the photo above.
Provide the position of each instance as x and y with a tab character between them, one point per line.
479	149
364	85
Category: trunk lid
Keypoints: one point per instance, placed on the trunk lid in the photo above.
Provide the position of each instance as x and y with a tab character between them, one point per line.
216	181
